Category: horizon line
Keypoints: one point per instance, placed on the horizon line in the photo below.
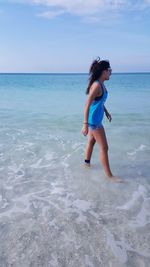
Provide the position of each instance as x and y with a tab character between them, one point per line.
68	73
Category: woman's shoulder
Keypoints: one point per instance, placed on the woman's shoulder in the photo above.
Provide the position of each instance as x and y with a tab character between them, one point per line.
95	84
95	87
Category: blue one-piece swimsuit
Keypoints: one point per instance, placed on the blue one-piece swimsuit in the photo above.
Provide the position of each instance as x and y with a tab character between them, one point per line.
96	110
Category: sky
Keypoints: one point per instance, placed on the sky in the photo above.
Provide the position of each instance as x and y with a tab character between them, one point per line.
67	35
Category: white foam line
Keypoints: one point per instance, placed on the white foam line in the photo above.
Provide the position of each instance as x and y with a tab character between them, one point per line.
143	217
14	167
140	148
51	156
15	209
29	144
80	207
36	165
120	248
64	163
50	202
57	190
136	195
25	200
45	166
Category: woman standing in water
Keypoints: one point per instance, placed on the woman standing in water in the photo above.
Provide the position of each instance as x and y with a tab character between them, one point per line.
100	71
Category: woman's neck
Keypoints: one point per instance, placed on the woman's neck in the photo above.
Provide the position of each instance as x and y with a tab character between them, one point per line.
101	80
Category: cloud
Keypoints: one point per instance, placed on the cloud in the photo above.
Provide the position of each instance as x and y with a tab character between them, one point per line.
51	13
82	7
85	8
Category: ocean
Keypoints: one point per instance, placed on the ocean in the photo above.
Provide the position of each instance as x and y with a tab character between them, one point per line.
53	210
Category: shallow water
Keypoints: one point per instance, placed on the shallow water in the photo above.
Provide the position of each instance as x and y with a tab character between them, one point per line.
54	211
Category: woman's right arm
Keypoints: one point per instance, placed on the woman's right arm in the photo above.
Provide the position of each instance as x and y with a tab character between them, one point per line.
92	94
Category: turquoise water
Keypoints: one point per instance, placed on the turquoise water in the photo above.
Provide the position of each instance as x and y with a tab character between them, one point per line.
53	210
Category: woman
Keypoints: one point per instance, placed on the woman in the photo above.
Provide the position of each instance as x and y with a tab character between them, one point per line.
100	71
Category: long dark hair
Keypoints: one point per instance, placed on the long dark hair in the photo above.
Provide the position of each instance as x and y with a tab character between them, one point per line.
96	70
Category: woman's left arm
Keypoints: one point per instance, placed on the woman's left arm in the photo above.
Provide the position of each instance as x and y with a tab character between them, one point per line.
108	115
105	109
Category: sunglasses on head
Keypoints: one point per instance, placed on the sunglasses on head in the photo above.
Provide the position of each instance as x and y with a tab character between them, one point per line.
110	70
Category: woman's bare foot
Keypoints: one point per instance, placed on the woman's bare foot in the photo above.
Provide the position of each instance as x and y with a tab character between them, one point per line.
115	179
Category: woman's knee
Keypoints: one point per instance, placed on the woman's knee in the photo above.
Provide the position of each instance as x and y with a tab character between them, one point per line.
91	141
104	147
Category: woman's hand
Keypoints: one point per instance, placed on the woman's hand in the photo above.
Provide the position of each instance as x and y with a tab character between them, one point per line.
85	129
108	115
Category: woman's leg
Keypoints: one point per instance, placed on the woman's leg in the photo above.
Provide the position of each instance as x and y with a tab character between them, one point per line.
100	137
90	145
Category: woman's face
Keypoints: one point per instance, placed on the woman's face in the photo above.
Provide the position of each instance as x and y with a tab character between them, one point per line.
107	73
